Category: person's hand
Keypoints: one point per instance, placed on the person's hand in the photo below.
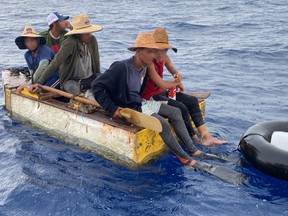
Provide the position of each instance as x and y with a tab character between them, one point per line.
19	89
117	113
181	87
178	77
68	25
33	88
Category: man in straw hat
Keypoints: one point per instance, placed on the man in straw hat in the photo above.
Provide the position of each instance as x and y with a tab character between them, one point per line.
55	35
155	87
78	58
37	57
120	87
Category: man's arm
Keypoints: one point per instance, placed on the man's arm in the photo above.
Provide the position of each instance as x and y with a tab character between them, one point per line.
177	76
66	49
96	55
162	84
172	69
43	64
103	86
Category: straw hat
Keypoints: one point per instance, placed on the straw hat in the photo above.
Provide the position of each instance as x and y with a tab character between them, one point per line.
28	31
81	25
162	39
144	40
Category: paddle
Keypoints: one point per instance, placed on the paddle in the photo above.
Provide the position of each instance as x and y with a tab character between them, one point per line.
141	119
136	118
219	157
223	173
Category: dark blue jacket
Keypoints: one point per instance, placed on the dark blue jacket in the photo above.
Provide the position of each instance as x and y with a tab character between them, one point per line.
111	89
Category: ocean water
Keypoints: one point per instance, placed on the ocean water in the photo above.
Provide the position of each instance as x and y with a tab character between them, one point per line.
238	50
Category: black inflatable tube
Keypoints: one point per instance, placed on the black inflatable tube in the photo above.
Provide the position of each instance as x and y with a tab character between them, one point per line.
257	149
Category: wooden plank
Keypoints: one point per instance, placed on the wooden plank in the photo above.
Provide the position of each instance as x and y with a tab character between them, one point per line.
48	95
145	121
100	116
200	95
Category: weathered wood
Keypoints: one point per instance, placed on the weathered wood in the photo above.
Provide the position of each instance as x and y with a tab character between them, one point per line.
200	95
100	116
114	139
143	120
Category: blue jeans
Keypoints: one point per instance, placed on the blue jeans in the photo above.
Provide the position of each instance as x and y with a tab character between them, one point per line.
53	80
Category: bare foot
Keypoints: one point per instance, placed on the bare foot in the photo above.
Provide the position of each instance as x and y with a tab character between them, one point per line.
209	140
197	153
192	163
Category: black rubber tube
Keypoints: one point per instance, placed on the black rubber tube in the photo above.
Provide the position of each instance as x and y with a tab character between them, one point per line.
257	149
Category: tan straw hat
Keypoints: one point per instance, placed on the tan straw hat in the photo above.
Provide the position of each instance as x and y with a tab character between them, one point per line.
28	31
162	39
144	40
82	25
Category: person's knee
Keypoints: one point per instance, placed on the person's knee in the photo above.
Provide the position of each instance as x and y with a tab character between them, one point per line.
179	105
165	124
193	105
176	114
193	101
184	109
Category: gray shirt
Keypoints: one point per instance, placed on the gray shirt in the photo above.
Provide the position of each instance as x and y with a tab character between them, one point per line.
134	79
83	66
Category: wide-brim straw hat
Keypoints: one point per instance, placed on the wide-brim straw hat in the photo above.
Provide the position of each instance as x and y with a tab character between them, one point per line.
81	25
144	40
28	31
162	39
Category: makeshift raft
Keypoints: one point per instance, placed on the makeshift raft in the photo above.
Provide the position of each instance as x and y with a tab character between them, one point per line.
74	123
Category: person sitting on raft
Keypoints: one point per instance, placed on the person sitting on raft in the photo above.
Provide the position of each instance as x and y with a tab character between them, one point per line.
78	58
155	87
55	35
37	57
119	87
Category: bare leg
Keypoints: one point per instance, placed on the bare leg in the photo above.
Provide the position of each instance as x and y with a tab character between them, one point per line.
207	138
193	106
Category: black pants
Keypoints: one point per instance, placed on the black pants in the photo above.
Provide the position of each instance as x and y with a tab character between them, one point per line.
86	83
175	119
188	105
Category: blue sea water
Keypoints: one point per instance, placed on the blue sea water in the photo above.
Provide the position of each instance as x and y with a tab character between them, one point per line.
238	50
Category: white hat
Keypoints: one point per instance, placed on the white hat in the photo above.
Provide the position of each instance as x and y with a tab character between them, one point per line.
53	17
